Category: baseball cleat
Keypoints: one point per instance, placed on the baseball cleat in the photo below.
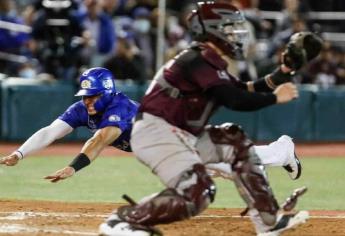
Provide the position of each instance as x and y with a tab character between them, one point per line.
286	222
114	226
293	165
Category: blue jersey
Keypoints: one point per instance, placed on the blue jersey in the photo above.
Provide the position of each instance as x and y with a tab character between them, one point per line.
120	113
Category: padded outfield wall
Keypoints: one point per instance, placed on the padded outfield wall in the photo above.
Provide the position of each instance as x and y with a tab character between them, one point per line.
317	115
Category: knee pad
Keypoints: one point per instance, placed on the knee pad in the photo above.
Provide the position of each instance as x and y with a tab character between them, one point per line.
231	134
194	192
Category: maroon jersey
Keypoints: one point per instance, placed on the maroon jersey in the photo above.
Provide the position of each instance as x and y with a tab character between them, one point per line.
184	102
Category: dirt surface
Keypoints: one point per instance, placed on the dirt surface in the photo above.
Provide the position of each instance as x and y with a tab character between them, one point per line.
56	218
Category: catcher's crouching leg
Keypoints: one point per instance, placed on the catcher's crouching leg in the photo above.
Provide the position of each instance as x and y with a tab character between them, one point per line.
194	191
248	172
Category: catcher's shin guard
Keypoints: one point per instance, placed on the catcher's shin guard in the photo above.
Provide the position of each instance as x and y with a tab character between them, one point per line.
248	172
194	192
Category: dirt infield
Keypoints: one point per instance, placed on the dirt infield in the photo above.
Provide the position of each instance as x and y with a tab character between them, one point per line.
55	218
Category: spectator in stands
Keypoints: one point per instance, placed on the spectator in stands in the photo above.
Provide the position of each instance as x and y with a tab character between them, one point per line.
126	63
58	36
341	68
143	36
12	42
27	71
263	28
292	9
323	70
177	38
148	4
281	38
123	8
110	6
102	32
35	6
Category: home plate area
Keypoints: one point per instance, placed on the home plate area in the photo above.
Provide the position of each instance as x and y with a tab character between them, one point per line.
57	218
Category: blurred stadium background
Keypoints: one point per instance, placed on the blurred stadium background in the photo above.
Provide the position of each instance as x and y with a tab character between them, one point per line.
45	44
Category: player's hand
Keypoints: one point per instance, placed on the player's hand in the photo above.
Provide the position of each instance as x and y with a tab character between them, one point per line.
286	92
61	174
10	160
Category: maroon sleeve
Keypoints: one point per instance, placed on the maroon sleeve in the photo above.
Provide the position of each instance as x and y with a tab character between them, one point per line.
241	100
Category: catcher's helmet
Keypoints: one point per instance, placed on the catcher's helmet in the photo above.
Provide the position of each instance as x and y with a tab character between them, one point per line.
221	24
97	81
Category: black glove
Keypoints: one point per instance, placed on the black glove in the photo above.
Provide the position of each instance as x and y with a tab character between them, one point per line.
302	48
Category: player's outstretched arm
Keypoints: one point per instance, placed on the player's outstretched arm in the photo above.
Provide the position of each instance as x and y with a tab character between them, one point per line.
101	139
39	140
90	151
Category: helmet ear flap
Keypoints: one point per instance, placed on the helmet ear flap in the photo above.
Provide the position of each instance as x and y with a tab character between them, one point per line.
101	104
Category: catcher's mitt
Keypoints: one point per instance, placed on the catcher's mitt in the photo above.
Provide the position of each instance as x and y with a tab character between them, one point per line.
302	48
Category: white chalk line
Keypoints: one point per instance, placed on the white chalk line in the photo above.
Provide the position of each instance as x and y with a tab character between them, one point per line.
21	215
18	228
21	228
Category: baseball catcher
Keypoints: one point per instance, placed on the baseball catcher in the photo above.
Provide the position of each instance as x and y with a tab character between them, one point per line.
171	138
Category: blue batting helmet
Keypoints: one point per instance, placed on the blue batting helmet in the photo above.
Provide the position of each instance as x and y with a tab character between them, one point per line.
96	81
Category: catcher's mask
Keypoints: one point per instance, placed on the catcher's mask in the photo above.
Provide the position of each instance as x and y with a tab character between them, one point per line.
97	81
222	24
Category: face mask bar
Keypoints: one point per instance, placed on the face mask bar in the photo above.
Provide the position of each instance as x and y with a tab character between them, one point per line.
236	33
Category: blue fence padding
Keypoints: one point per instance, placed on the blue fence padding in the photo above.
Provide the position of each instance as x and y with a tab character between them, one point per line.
329	115
27	108
82	134
317	115
129	88
295	118
246	119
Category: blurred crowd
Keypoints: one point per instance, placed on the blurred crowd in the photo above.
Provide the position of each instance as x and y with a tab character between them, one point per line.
60	38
